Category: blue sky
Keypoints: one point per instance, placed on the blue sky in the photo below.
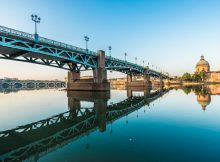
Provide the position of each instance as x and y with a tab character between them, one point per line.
170	34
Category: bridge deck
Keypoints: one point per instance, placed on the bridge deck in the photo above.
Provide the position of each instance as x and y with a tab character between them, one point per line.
21	46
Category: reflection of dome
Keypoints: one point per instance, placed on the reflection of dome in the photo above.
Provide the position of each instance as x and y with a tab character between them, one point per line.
204	101
202	65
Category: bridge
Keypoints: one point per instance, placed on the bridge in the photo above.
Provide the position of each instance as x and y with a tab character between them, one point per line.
20	46
39	138
7	85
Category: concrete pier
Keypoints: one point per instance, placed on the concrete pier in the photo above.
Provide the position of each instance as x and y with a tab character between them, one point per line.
132	82
99	81
158	82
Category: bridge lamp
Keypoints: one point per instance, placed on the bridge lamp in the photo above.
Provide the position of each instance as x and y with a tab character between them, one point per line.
36	19
125	56
110	48
86	39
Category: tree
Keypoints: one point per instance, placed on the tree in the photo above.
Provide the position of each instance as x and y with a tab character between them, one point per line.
196	77
186	77
202	75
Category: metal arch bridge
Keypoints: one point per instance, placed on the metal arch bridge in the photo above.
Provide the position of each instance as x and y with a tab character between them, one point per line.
38	138
21	46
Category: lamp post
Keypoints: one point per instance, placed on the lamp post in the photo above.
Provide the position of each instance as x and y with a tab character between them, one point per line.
143	63
36	19
110	48
86	39
135	60
125	56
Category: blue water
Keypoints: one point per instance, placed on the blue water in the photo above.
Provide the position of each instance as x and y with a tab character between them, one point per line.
173	128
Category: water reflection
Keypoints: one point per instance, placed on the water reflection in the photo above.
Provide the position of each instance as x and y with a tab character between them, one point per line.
203	93
36	139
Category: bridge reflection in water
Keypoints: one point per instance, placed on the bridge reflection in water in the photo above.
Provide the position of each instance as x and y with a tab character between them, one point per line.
36	139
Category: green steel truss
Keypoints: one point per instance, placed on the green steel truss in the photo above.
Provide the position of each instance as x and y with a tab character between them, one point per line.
21	46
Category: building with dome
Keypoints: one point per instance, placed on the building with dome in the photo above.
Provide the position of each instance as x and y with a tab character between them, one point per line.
203	66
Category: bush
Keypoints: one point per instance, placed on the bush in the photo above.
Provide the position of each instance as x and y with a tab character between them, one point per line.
186	77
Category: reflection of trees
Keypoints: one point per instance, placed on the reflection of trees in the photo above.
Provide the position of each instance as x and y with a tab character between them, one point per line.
198	90
187	90
201	90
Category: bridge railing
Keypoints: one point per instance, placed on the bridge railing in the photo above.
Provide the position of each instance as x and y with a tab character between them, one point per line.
16	33
20	34
123	61
24	35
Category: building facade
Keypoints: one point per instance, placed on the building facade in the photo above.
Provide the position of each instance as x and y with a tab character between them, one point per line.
203	66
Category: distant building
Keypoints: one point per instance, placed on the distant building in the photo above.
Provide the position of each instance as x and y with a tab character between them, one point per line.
203	66
118	81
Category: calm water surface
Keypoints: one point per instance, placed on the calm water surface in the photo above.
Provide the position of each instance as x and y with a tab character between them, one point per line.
131	126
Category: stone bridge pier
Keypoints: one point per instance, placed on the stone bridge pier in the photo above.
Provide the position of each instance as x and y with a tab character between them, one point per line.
133	82
99	81
159	82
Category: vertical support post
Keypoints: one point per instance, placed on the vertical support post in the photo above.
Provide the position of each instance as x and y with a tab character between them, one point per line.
100	74
146	77
72	77
129	78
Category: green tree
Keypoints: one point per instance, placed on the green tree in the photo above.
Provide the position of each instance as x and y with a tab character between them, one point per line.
202	75
196	77
186	77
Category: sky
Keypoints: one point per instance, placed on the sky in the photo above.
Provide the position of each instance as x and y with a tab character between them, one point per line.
169	34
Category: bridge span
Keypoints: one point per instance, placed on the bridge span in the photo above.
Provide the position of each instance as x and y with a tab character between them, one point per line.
7	85
36	139
20	46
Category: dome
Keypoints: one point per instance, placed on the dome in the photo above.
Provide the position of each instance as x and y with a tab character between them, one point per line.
204	101
202	62
204	104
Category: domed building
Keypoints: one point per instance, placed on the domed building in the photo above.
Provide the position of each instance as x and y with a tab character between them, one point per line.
202	65
211	76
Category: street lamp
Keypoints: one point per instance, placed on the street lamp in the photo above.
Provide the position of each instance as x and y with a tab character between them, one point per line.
143	63
110	48
135	60
86	39
125	56
36	20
